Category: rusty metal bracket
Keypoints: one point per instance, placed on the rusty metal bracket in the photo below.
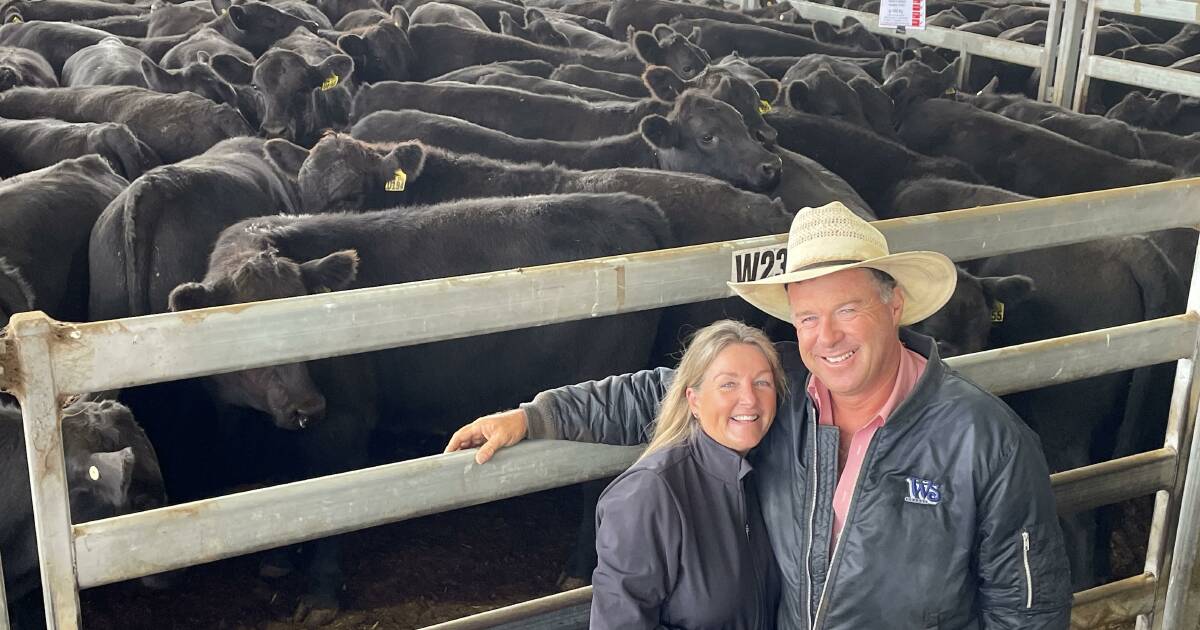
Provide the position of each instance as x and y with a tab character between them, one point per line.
9	369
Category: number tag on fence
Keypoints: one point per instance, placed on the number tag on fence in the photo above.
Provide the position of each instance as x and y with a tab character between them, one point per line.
758	263
902	14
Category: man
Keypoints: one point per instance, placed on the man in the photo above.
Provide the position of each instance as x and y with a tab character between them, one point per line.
896	493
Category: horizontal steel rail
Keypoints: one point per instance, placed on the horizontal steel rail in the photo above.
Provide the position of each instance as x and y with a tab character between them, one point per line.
94	356
173	537
1144	75
1173	10
971	43
1094	608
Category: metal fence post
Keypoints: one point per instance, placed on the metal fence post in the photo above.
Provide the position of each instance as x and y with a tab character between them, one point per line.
1069	47
1050	54
1087	44
1181	422
32	335
3	599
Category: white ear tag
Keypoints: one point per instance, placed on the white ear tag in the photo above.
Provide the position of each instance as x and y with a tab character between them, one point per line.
94	473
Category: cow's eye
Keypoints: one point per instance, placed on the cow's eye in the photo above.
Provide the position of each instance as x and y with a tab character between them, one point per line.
707	138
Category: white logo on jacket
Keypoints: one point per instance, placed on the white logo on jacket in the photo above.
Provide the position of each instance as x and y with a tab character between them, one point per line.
923	491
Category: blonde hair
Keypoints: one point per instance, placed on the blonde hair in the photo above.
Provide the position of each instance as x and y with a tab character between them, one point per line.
675	423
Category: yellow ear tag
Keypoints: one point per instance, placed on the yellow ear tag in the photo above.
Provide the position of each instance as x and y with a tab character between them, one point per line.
764	107
396	183
94	473
949	91
998	312
224	11
16	19
330	83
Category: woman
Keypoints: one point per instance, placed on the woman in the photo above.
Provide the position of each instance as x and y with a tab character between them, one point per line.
679	536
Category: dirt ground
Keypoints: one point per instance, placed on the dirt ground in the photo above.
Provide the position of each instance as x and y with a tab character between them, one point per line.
406	575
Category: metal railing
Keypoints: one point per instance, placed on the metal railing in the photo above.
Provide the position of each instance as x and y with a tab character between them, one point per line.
1079	44
42	361
967	44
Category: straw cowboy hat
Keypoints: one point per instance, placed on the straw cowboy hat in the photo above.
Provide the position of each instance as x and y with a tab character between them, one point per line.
831	238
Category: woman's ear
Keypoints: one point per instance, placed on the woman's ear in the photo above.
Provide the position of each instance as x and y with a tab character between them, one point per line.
693	399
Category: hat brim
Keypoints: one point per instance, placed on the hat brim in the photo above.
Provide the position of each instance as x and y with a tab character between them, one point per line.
927	280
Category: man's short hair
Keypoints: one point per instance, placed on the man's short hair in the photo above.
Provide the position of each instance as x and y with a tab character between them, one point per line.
884	282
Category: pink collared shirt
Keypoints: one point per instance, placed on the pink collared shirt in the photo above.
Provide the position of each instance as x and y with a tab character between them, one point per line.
912	365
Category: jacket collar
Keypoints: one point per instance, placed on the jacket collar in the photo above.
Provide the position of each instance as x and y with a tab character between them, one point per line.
931	379
717	460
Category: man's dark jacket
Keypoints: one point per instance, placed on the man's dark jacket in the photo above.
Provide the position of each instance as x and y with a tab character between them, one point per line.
951	524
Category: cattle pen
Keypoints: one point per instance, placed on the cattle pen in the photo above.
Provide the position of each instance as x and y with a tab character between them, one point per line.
44	361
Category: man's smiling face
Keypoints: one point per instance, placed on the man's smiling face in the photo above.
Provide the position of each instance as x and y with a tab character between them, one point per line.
847	334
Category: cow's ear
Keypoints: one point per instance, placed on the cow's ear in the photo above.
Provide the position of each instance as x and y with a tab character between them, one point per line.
948	76
237	15
992	86
768	89
849	21
694	36
533	14
647	48
232	69
400	17
331	273
190	296
285	155
824	32
508	26
340	66
798	95
156	78
659	132
352	45
895	88
1007	289
663	83
891	62
408	157
203	57
1167	108
661	31
111	474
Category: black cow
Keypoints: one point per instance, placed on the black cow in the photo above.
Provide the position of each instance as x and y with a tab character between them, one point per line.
445	13
551	87
23	67
380	52
111	470
46	217
538	31
859	102
205	41
600	79
285	256
1169	112
720	38
583	36
872	164
108	62
557	118
964	324
925	195
488	10
299	99
1102	133
670	48
472	74
66	10
175	126
700	135
336	10
1019	157
441	48
54	41
155	234
177	19
124	25
27	145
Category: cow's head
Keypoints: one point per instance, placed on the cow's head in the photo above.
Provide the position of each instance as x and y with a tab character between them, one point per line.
257	25
704	135
342	173
285	392
825	94
127	478
750	100
964	324
536	29
300	100
1140	110
381	52
198	76
852	34
128	155
913	81
666	47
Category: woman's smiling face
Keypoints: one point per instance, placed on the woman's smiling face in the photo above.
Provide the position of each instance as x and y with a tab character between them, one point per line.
736	399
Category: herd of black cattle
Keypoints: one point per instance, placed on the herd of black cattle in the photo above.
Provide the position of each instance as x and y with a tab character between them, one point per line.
171	155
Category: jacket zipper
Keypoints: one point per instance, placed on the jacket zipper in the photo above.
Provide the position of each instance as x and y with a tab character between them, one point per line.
758	587
812	515
1028	573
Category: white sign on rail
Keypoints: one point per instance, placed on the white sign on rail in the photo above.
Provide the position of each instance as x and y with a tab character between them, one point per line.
902	14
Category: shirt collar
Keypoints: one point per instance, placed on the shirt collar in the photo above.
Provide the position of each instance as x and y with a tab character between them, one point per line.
718	460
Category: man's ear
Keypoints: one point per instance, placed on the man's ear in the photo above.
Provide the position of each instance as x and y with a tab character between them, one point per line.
659	132
647	48
190	296
663	83
331	273
285	155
